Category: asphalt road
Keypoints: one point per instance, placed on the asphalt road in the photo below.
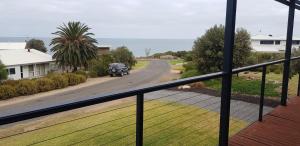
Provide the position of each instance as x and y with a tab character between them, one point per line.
147	76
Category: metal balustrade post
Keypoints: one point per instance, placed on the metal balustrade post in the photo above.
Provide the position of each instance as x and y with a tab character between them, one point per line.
289	41
139	119
262	93
227	69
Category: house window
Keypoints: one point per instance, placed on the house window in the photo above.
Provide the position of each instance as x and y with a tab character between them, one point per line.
296	42
11	71
277	42
266	42
22	75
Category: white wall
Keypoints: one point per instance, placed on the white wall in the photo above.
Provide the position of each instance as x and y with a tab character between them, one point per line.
25	71
269	47
17	75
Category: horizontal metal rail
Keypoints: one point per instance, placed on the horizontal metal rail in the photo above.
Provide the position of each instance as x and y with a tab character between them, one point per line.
124	94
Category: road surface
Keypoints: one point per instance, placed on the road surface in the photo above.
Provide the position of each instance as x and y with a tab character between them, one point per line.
147	76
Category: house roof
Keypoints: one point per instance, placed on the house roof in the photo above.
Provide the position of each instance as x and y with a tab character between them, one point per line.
15	54
271	37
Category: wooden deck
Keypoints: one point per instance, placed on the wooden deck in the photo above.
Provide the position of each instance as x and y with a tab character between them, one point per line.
281	127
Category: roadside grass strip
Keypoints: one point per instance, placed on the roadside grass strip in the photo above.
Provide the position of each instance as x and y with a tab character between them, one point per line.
141	64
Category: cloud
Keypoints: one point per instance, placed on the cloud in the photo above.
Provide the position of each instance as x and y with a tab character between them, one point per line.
140	18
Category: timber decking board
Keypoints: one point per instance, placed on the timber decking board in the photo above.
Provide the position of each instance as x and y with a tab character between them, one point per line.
281	127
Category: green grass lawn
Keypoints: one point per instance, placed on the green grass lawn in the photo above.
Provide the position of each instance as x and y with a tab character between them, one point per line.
177	64
176	61
141	64
249	87
293	82
183	125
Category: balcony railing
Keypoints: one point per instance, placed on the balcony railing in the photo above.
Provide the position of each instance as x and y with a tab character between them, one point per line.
139	93
226	76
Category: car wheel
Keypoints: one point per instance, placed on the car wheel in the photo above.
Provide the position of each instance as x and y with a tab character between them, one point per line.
111	75
127	72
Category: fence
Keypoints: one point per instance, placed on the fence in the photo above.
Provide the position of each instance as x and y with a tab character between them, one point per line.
133	114
134	122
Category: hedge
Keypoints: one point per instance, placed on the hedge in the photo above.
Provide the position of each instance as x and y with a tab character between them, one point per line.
26	87
59	81
45	84
7	91
11	88
74	79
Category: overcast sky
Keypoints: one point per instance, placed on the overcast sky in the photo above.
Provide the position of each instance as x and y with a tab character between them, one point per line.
139	18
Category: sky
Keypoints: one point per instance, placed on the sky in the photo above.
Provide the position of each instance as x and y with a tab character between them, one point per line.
140	18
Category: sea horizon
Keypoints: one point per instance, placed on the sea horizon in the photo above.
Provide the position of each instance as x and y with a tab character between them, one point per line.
136	45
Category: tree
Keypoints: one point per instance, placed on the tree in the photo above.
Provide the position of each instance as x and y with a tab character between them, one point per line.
74	45
3	72
124	55
242	47
99	67
208	49
36	44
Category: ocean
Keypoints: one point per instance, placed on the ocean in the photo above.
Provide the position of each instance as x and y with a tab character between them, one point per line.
137	46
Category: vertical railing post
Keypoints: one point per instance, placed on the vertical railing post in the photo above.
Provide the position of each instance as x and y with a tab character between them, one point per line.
262	93
227	70
289	42
298	91
139	119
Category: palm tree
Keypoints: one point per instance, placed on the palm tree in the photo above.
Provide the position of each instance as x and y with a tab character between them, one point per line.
73	46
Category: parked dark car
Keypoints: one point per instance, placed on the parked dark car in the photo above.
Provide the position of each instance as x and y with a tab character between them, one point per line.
118	69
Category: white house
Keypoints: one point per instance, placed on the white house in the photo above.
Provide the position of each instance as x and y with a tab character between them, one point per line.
270	43
24	63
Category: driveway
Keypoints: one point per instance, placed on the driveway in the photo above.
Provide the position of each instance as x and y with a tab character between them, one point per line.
147	76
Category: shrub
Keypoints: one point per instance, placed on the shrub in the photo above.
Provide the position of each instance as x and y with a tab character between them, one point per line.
74	79
45	84
3	72
26	87
82	78
11	82
124	55
81	72
190	66
190	73
277	71
7	91
99	67
59	81
276	68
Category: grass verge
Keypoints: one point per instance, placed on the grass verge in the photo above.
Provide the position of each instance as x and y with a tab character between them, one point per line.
141	64
181	127
177	64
